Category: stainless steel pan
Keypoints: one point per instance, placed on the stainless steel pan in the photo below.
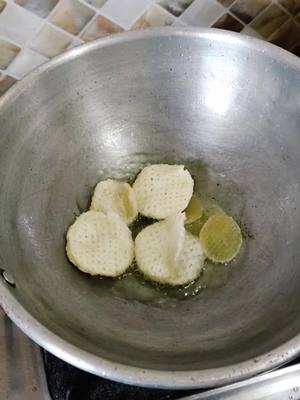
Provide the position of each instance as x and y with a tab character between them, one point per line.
228	107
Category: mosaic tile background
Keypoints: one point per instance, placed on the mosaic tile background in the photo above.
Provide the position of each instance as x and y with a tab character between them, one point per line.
33	31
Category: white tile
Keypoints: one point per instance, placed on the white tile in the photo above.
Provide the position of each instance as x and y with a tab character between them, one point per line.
76	42
2	5
175	7
8	52
202	13
154	16
39	7
251	32
18	24
125	12
100	27
6	82
96	3
25	62
177	22
71	16
50	41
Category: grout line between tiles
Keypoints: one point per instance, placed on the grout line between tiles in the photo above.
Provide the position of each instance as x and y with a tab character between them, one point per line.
53	9
219	16
26	44
156	5
94	18
61	30
89	5
289	14
236	17
2	37
4	72
231	5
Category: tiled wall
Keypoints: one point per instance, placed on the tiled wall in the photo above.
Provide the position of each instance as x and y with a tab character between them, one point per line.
33	31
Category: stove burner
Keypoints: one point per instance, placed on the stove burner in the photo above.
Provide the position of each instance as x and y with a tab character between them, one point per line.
66	382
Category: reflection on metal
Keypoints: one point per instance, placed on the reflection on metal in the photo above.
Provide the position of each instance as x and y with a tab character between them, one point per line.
283	384
22	374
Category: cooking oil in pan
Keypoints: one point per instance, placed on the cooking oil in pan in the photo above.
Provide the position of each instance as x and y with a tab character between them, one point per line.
217	194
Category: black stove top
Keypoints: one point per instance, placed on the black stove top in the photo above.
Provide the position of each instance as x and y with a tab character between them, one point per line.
66	382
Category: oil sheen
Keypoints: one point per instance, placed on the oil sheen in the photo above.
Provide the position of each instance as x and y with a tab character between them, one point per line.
217	195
